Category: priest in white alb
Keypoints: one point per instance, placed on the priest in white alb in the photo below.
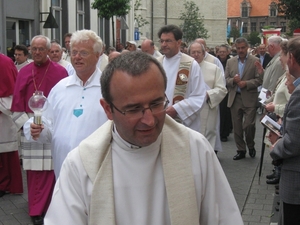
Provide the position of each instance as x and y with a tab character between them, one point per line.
141	167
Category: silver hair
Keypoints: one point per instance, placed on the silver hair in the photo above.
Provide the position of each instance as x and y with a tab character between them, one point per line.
86	35
196	42
48	44
275	40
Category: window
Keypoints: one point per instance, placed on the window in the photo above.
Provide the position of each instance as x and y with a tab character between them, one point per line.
80	14
262	24
17	32
273	9
283	26
57	13
244	10
253	26
273	24
245	28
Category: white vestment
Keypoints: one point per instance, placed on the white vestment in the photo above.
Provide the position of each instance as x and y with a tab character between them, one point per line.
139	184
73	113
102	62
20	66
68	66
8	130
210	110
156	54
189	108
212	59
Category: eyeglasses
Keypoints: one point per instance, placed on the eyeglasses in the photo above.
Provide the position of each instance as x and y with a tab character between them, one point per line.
34	49
166	41
82	54
138	111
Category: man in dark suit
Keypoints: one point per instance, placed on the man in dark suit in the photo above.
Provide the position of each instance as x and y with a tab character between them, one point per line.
287	148
242	80
263	56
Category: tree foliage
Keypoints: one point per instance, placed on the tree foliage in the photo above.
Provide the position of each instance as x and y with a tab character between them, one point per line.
253	38
193	25
290	8
235	33
109	8
293	25
140	20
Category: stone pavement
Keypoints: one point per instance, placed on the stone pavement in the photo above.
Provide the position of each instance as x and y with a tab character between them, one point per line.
254	197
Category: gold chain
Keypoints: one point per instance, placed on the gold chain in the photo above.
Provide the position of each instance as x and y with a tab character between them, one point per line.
33	77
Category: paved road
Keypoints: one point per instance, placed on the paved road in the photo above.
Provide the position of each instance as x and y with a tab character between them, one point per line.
254	197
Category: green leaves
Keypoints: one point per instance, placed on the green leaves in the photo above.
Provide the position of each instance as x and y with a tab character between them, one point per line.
140	20
290	8
193	22
110	8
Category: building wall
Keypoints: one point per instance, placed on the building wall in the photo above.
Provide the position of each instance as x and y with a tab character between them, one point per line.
164	12
259	13
168	12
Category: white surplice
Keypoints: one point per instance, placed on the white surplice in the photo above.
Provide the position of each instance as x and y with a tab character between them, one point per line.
210	110
189	108
140	195
73	113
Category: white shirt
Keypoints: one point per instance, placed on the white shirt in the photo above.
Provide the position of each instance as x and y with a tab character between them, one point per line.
139	187
73	113
68	66
142	190
102	62
156	54
188	109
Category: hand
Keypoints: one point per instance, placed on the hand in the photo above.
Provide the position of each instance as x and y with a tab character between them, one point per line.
270	107
171	111
259	67
242	84
35	130
279	121
236	78
273	138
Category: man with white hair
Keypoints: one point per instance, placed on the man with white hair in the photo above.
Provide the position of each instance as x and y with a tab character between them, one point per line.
274	69
215	93
56	53
39	76
74	111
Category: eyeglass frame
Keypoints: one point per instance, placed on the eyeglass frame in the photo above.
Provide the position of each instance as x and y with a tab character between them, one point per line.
82	54
35	49
143	110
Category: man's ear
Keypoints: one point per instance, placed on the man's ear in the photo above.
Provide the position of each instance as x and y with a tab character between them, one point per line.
106	108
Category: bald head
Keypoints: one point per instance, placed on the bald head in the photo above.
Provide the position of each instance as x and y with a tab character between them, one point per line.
113	55
201	41
148	46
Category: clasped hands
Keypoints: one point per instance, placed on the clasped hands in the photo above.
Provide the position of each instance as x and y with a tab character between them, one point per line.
239	82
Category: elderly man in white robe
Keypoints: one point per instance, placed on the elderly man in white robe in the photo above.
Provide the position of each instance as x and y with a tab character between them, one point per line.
216	91
56	53
141	167
72	113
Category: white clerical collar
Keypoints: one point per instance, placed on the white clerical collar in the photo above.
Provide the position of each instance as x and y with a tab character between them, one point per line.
178	55
130	147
